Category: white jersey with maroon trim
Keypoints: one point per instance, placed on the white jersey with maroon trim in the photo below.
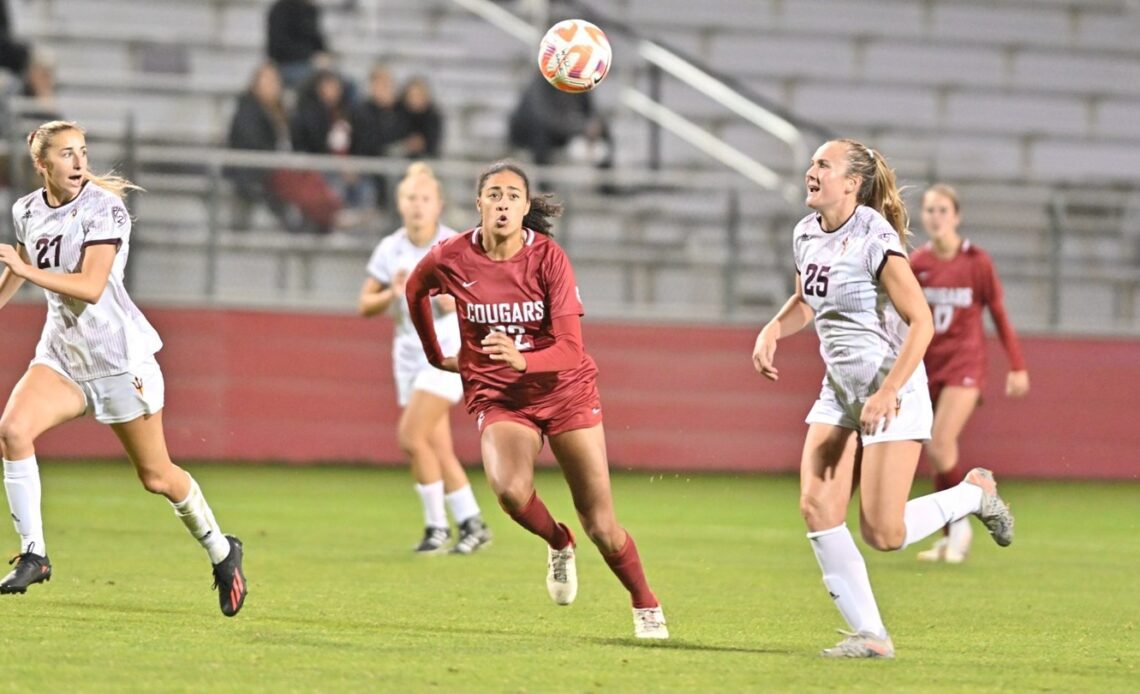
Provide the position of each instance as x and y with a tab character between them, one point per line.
396	253
85	341
860	333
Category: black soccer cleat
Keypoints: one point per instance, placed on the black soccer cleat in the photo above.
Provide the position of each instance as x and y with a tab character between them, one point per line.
30	568
434	542
229	579
473	536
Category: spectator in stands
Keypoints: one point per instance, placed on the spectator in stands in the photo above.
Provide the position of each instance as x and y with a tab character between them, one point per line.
377	125
13	54
39	87
320	123
422	120
260	123
321	126
295	41
300	199
547	120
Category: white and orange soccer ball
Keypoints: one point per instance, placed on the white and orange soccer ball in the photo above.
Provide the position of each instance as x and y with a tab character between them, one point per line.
574	56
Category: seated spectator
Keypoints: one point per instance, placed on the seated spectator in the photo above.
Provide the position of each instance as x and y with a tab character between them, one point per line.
39	88
13	54
320	123
300	199
295	41
377	126
547	120
423	123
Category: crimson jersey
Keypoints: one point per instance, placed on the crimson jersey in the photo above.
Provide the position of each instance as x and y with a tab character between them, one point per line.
519	296
957	289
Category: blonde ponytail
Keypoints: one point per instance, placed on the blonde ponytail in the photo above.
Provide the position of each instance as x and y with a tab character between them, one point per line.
40	139
879	189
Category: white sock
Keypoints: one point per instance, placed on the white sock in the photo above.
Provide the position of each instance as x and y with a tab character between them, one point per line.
845	575
462	504
196	515
22	483
431	495
928	514
961	535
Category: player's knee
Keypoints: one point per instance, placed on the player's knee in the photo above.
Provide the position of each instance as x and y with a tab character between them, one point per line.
157	480
604	531
412	441
818	514
513	496
14	434
941	453
884	537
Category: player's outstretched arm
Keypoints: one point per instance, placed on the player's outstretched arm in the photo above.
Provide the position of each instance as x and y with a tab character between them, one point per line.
374	298
10	282
906	295
792	318
86	284
417	292
1017	381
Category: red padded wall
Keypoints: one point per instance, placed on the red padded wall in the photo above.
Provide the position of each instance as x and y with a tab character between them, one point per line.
295	387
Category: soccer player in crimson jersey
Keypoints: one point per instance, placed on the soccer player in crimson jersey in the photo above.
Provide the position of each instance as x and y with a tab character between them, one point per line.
526	376
959	280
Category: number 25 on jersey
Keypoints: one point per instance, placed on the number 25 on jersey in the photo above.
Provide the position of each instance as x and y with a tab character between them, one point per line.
815	280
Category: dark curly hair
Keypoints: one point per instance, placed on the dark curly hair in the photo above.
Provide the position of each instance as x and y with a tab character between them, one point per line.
543	208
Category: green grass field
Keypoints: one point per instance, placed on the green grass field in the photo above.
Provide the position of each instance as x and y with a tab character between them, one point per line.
338	602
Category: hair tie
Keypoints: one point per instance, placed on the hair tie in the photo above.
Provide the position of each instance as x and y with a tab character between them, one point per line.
871	153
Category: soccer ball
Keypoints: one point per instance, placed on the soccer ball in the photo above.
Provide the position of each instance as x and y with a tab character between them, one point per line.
574	56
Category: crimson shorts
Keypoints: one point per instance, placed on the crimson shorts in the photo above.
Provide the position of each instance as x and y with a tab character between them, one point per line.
962	378
579	408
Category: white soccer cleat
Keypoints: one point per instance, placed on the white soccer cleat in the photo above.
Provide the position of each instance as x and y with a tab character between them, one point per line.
561	574
994	512
943	550
649	623
861	645
935	553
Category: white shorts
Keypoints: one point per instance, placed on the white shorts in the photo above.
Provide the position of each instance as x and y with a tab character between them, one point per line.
912	423
123	397
445	384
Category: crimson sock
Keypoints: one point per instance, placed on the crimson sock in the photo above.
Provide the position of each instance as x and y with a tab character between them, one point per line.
535	517
626	565
951	478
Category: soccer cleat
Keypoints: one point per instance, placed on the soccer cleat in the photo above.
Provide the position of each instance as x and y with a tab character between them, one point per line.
561	573
943	551
229	580
861	645
994	512
935	553
473	536
649	623
434	542
30	568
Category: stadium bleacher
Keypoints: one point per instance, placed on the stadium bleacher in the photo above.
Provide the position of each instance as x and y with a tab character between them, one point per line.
1014	102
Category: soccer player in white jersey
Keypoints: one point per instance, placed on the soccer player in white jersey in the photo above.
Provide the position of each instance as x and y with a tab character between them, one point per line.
96	354
873	413
425	393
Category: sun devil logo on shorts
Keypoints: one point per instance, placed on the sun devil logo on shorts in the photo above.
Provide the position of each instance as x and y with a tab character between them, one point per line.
479	421
138	384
